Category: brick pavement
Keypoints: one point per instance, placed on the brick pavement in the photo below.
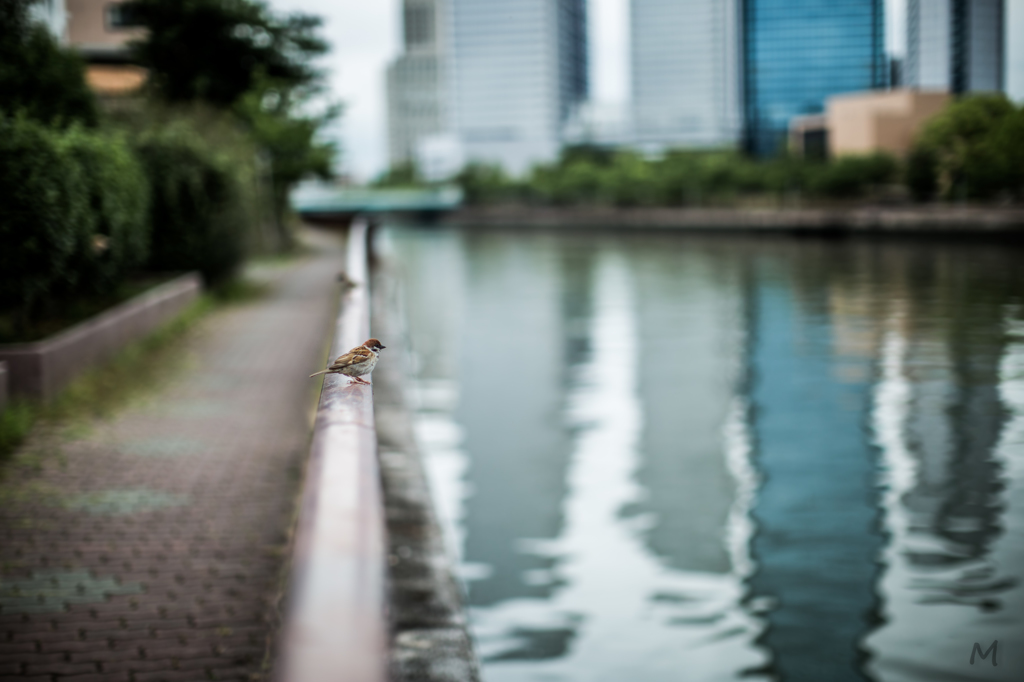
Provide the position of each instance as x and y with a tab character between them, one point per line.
151	547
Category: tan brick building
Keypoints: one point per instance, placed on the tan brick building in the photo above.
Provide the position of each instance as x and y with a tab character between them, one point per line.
884	121
100	31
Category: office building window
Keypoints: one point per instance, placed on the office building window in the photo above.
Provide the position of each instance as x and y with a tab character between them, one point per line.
121	16
419	25
797	54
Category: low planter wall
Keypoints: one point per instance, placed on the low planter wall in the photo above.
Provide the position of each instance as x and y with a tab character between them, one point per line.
40	369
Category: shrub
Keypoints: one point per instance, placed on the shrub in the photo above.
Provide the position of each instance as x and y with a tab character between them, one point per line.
196	208
403	174
786	174
751	177
44	214
681	179
700	177
484	184
922	173
219	136
581	182
978	147
573	182
631	180
852	176
119	201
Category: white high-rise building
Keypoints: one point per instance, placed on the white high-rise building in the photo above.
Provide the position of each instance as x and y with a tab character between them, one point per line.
955	45
518	72
416	81
53	14
685	73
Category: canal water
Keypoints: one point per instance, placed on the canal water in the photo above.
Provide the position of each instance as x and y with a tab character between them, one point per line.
679	457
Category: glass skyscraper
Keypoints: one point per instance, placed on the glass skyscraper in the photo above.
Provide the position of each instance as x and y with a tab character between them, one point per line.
685	73
486	81
797	53
955	45
416	81
519	70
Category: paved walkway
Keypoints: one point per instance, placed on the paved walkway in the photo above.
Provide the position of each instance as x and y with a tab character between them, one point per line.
152	547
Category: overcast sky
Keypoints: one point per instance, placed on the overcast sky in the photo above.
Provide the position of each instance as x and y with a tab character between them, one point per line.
365	37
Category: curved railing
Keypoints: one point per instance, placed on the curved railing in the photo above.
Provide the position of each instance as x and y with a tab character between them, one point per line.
335	626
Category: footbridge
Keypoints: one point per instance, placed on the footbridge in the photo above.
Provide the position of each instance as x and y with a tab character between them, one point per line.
326	202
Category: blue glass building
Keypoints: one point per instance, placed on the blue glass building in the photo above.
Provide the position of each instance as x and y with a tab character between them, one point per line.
797	53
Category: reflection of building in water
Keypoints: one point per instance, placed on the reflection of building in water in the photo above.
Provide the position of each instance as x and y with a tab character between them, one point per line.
689	314
510	404
816	540
955	417
435	262
970	515
942	417
577	305
860	562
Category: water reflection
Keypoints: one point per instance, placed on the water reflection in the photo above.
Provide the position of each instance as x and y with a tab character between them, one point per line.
511	389
668	457
810	394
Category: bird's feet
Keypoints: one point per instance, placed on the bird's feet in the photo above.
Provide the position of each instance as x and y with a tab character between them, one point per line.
357	380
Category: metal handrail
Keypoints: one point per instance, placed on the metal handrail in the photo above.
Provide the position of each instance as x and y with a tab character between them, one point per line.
335	628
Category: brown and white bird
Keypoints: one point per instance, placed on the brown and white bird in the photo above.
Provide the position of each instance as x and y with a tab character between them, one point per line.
357	362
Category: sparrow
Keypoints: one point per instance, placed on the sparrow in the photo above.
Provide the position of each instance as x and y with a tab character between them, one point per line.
357	362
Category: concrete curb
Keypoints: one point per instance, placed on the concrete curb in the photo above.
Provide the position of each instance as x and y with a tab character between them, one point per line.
41	369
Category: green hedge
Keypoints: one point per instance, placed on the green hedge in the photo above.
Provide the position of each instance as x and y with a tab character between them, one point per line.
81	210
44	214
73	214
196	210
485	184
119	203
680	178
853	176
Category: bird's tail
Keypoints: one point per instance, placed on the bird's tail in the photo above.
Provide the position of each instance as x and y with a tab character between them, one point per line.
324	371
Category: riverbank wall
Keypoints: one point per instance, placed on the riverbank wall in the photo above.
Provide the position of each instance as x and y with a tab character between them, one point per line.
937	219
430	640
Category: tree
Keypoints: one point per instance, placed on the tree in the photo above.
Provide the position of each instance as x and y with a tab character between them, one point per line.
484	183
403	174
237	56
977	146
37	76
271	112
217	50
1006	147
